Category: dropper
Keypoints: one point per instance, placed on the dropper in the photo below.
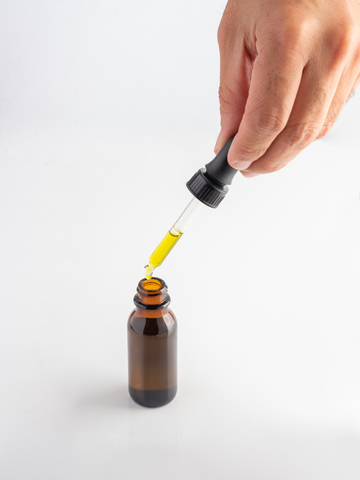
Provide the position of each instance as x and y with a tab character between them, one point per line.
209	186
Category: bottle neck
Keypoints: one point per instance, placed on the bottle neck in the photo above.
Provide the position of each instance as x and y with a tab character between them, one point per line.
152	294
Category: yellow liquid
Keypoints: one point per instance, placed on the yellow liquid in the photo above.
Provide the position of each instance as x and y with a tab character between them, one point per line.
161	251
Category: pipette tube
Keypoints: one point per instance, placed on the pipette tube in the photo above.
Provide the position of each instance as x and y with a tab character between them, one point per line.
208	186
173	236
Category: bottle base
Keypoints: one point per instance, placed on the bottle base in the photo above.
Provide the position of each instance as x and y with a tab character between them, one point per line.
153	398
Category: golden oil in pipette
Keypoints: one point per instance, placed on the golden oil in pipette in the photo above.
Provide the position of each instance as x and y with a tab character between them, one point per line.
162	250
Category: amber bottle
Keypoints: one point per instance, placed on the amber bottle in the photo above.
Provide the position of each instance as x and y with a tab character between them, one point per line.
152	346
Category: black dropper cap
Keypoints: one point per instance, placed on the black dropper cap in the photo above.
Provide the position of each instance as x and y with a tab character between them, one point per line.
209	184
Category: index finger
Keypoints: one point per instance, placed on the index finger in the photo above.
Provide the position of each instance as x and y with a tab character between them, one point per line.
274	84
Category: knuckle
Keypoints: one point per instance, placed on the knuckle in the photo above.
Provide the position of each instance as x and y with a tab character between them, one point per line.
301	135
249	152
269	124
288	46
341	41
295	36
339	56
356	66
292	25
325	129
259	134
348	30
357	57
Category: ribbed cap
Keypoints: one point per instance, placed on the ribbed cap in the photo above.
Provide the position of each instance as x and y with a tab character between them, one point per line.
206	191
209	185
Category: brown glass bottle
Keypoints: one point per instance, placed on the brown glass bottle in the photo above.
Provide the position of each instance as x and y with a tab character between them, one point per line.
152	346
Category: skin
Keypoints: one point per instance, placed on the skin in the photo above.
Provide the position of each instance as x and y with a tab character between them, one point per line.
287	67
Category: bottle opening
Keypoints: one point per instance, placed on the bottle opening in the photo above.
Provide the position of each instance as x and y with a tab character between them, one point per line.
152	284
152	292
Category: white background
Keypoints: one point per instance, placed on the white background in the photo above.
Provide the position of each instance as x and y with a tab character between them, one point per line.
107	108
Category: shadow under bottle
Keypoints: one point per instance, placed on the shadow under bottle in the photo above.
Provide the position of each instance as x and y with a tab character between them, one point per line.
152	346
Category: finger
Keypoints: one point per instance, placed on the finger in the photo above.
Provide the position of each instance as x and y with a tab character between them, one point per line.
274	84
233	91
348	82
356	84
311	106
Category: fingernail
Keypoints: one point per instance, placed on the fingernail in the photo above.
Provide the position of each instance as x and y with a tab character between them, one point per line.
249	174
241	164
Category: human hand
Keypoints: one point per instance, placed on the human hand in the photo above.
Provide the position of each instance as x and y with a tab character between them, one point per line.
286	69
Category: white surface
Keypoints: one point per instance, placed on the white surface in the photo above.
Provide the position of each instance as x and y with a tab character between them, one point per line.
107	109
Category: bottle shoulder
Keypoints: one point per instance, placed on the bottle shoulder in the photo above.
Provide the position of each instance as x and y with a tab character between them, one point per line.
149	323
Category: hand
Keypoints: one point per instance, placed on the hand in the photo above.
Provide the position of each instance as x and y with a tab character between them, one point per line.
286	69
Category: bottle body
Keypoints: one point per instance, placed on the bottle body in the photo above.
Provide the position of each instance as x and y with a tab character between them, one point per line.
152	346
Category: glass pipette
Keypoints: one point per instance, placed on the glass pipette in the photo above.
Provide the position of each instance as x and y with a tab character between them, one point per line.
209	187
173	236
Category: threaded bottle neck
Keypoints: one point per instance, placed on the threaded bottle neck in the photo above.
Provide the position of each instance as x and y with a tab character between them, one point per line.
152	294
